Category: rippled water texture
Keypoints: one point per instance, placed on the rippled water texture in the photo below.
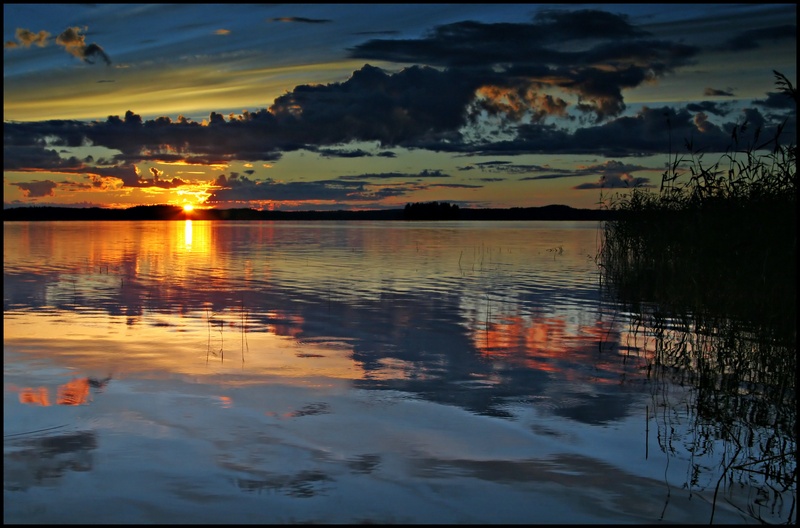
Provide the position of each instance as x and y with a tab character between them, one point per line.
329	372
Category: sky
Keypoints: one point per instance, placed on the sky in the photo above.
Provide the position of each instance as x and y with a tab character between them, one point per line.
373	106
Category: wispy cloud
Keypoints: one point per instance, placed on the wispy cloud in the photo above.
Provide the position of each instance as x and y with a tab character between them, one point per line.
713	92
302	20
754	38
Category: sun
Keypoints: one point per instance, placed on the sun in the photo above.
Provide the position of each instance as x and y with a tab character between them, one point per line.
188	208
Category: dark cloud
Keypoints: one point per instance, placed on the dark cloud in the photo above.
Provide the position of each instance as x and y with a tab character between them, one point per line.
387	32
301	20
613	175
591	54
486	164
354	189
37	158
404	108
649	131
333	153
36	189
777	101
455	186
713	92
94	49
507	167
623	181
232	190
383	114
425	173
378	176
75	43
752	39
710	107
610	171
39	203
157	180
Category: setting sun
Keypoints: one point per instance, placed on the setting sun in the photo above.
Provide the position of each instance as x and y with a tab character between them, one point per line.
188	208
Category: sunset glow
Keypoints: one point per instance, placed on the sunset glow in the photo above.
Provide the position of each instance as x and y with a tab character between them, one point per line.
381	108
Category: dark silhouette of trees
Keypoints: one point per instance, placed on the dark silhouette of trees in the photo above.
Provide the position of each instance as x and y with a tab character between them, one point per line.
431	211
412	211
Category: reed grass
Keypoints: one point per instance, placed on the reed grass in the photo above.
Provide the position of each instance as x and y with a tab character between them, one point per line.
707	266
716	238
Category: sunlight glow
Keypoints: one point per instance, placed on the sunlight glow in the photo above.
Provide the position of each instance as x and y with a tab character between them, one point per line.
188	208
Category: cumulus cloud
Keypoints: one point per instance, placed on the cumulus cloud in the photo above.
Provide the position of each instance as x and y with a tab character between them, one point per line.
75	43
615	181
613	175
26	38
157	180
37	189
70	39
590	54
265	135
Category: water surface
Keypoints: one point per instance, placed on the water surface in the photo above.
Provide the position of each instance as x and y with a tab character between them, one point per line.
295	372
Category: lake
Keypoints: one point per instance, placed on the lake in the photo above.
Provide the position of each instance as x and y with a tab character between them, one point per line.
344	372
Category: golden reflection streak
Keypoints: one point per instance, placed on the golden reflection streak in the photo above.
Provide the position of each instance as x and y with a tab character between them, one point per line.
187	235
270	356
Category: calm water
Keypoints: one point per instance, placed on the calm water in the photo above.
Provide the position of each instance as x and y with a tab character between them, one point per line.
336	372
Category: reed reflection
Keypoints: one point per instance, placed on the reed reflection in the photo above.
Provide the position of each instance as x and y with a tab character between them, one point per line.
719	321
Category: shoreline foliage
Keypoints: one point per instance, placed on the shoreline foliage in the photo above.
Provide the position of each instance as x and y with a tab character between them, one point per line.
706	267
722	242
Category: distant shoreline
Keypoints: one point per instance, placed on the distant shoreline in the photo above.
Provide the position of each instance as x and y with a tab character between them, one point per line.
168	213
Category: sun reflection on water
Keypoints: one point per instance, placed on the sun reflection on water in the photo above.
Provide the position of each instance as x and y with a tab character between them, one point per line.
187	234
